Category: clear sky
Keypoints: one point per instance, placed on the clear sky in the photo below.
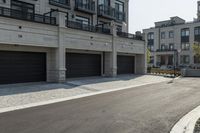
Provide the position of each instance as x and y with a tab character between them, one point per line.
143	13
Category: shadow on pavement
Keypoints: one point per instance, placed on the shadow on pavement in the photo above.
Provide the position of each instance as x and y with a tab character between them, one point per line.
13	89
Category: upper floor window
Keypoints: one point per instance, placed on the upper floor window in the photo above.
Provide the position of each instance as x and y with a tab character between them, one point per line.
171	46
150	36
22	6
60	3
185	59
24	10
150	47
119	6
104	2
163	47
83	20
197	30
162	35
171	34
185	32
65	2
185	46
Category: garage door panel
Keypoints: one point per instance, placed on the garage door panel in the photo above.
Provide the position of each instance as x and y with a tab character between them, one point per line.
125	64
21	67
83	65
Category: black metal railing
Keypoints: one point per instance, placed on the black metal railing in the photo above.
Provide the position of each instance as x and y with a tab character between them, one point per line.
80	26
86	27
61	3
130	36
120	16
166	50
16	14
103	30
87	7
106	11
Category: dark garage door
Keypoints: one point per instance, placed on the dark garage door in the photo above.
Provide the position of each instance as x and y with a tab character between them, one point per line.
83	65
125	64
21	67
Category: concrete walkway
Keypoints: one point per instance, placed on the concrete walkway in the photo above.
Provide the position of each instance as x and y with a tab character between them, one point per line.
21	96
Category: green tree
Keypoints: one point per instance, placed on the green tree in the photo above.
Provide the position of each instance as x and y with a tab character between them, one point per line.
196	49
148	56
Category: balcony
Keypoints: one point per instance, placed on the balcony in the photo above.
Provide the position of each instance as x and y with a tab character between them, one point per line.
32	17
85	27
85	7
60	3
106	12
166	50
130	36
120	16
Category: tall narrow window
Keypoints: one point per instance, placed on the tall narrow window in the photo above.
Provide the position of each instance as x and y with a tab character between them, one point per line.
171	46
185	46
162	35
185	32
150	36
171	34
119	6
197	31
163	47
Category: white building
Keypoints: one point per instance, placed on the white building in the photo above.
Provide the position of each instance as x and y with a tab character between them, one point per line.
173	38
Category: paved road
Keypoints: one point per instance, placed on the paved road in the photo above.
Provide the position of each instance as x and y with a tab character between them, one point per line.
147	109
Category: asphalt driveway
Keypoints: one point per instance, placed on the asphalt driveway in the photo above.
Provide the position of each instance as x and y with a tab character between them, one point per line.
147	109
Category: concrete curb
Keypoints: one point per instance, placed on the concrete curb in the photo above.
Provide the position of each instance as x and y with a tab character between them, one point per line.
8	109
187	123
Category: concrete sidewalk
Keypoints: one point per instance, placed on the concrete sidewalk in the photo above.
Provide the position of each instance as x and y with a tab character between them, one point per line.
14	96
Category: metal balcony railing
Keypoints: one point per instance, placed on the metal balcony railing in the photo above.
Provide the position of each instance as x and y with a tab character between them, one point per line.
61	3
16	14
130	36
86	7
166	50
120	16
85	27
106	11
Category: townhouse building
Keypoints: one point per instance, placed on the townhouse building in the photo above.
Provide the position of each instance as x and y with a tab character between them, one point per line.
171	42
52	40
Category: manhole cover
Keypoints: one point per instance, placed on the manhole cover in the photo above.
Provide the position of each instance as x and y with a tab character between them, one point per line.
197	127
